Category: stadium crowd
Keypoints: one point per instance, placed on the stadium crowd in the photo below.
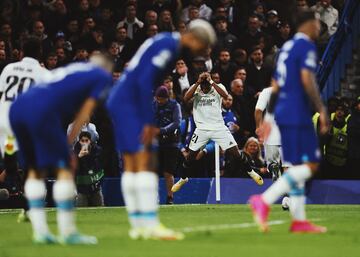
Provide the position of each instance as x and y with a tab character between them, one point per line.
250	33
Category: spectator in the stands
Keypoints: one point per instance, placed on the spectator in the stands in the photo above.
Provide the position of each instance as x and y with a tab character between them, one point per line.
284	33
6	35
240	73
203	10
88	25
193	13
253	149
168	118
181	27
242	109
125	43
225	67
81	55
3	61
116	74
151	17
215	76
272	27
302	5
73	30
131	22
250	37
38	30
107	22
56	19
61	56
328	14
258	75
229	116
225	40
181	78
168	83
51	61
165	22
114	52
83	9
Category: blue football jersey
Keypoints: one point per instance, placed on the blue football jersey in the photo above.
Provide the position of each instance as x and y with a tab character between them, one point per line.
65	90
152	61
293	106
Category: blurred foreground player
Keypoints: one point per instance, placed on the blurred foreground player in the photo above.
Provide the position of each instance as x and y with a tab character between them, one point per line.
294	89
36	118
130	106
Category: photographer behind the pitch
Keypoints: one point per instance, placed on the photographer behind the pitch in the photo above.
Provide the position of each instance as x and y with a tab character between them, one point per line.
89	172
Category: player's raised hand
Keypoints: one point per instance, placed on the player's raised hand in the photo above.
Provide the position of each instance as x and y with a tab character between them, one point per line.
148	134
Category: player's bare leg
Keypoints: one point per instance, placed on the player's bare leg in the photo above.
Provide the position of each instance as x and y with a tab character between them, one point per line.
64	191
242	159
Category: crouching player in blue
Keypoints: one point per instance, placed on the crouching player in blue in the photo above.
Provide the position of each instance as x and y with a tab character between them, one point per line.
37	119
130	106
294	87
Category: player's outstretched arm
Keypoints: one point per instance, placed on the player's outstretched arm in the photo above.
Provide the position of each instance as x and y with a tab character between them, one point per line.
82	116
309	82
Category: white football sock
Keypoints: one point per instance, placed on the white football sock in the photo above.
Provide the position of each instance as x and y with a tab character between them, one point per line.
64	196
147	184
293	176
128	188
35	192
297	202
297	207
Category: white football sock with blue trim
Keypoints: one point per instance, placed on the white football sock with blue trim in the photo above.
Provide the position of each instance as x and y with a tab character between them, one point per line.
297	202
35	192
287	182
64	196
147	184
128	188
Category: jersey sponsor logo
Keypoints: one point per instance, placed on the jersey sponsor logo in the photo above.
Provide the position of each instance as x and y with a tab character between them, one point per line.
206	102
161	59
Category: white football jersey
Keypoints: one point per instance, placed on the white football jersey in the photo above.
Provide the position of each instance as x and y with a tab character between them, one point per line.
207	109
15	79
262	104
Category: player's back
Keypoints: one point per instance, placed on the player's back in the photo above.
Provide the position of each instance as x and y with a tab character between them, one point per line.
16	79
145	69
64	91
293	106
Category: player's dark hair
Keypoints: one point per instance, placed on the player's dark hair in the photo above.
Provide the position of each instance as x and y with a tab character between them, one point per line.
32	47
304	16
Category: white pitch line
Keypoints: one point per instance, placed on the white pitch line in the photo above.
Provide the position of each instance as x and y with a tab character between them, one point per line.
206	228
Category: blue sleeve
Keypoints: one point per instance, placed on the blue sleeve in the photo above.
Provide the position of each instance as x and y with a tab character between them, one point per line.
308	56
176	121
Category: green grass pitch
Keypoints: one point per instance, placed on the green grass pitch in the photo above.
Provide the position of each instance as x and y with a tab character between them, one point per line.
212	231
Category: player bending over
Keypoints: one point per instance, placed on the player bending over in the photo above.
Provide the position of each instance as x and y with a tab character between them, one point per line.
130	106
210	125
295	87
37	119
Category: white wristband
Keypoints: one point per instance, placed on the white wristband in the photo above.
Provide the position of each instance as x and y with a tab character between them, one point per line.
211	82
